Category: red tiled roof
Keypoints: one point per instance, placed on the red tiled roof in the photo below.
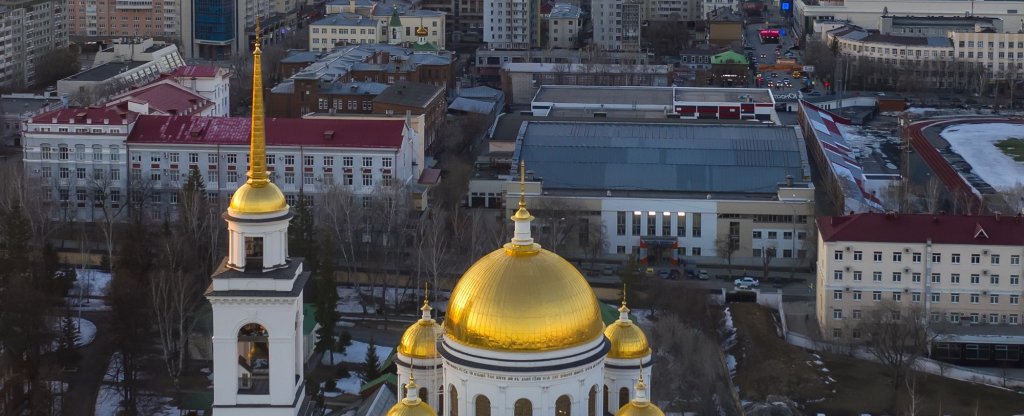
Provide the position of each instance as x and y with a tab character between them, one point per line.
385	134
91	115
430	176
918	228
195	71
167	97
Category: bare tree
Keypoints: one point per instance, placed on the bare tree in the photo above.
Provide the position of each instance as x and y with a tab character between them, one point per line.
691	368
767	255
897	336
340	214
1014	197
432	246
932	195
175	298
725	247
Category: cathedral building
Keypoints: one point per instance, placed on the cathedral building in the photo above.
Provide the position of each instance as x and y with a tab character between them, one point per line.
523	334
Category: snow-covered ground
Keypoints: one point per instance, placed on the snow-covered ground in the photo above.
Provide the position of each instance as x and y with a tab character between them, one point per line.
347	385
89	283
86	332
356	353
108	401
349	300
976	144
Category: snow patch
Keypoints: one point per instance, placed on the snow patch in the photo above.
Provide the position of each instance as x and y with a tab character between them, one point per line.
355	353
347	385
86	332
976	144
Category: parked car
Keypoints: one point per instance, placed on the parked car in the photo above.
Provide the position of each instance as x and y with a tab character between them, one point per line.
703	275
663	274
650	271
609	270
675	274
747	282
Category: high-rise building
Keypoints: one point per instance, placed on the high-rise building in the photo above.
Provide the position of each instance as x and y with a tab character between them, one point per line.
29	30
137	18
221	29
617	24
512	24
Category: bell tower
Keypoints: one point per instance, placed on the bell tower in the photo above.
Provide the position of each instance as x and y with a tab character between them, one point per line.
256	293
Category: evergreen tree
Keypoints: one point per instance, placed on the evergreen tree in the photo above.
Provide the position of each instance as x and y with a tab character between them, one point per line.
371	367
302	231
17	235
326	300
344	341
70	335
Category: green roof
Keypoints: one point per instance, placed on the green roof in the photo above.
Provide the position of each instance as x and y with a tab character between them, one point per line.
610	313
396	20
388	378
728	57
308	318
424	47
195	400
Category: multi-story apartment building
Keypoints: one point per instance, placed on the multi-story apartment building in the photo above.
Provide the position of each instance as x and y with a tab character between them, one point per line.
29	30
962	272
88	162
18	108
147	18
563	25
512	24
618	24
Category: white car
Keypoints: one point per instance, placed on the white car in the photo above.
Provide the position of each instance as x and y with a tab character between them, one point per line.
747	282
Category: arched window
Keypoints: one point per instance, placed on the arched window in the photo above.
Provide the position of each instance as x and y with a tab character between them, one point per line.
483	406
254	354
453	399
563	406
623	396
424	395
606	409
523	408
592	402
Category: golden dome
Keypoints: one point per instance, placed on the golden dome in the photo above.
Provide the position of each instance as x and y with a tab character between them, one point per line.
411	405
640	405
627	340
421	31
522	298
249	199
420	339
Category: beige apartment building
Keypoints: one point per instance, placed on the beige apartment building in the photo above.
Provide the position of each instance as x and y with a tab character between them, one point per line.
963	271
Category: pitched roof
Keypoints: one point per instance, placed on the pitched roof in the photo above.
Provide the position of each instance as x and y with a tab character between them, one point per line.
196	71
280	131
412	94
167	97
918	228
828	130
90	115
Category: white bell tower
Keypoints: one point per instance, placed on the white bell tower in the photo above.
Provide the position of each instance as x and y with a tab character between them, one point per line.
256	294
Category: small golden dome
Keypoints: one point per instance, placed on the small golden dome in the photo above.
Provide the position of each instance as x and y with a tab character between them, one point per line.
249	199
420	339
640	405
411	405
627	340
422	31
523	298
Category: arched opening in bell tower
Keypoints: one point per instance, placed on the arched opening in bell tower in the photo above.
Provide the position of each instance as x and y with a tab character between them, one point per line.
563	406
254	253
253	360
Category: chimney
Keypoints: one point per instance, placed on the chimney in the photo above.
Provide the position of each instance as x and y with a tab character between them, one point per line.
351	6
789	181
329	135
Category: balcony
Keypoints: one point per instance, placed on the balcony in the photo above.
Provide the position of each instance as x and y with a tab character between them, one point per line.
134	4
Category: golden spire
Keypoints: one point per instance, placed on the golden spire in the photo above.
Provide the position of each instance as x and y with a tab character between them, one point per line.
623	310
522	184
522	241
258	176
426	304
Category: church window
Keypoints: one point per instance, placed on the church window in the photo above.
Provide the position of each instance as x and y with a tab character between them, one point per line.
563	406
483	406
254	252
592	402
453	399
523	408
623	396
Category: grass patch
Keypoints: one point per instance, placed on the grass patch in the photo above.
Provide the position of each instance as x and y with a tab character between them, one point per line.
1012	147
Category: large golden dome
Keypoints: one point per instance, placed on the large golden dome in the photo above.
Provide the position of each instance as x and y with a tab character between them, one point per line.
266	199
522	298
627	340
420	339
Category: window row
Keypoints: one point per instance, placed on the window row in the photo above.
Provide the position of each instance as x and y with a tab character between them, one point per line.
934	298
915	277
272	159
654	222
897	257
64	152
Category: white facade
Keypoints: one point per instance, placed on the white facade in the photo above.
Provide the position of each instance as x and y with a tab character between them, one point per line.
511	24
216	88
866	13
692	222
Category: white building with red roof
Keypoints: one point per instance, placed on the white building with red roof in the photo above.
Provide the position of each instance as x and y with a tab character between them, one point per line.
211	82
87	161
165	97
960	272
